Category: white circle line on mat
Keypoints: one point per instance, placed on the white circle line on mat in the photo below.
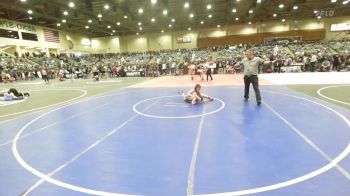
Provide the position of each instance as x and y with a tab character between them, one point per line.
305	177
84	92
175	117
319	92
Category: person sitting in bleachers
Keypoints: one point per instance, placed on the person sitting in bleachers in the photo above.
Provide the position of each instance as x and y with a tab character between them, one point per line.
325	66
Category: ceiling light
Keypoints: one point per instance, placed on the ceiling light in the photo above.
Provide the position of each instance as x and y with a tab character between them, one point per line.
90	21
118	23
238	0
99	15
113	31
209	16
64	21
249	23
165	12
281	6
189	28
139	23
274	15
153	1
30	18
153	20
191	15
208	6
112	34
315	11
218	26
140	11
186	5
345	2
106	7
236	18
173	20
65	13
170	25
250	11
30	12
71	4
23	0
58	24
125	16
202	22
258	1
86	27
333	1
295	7
109	26
137	33
162	31
283	20
234	10
319	17
140	28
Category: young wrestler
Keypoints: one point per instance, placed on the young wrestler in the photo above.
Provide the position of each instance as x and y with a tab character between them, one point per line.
195	96
13	94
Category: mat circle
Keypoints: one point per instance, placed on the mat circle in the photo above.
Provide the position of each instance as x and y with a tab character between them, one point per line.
174	117
287	183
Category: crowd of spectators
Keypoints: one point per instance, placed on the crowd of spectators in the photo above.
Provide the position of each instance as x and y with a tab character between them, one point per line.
286	57
322	56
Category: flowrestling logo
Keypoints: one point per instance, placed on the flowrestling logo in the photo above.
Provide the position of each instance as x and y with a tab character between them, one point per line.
324	13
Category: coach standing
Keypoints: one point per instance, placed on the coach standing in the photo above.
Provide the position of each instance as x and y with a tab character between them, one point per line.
251	70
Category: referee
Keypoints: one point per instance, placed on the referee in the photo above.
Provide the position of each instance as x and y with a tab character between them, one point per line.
251	70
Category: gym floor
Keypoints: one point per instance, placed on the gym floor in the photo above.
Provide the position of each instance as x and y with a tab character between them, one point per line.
136	136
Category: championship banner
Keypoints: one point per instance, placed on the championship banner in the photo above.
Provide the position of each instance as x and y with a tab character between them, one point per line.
184	39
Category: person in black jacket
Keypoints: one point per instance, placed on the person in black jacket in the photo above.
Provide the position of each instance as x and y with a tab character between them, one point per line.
208	72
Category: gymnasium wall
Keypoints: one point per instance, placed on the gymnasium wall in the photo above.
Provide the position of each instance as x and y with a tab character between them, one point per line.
336	35
241	29
311	29
40	44
156	41
307	35
78	42
162	41
105	45
10	50
134	43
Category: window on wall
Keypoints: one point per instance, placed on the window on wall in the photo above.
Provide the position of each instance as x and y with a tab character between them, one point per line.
9	34
29	36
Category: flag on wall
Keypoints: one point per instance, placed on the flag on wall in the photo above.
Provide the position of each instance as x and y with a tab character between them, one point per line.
51	36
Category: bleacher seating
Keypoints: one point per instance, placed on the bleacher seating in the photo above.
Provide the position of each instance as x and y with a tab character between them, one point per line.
292	54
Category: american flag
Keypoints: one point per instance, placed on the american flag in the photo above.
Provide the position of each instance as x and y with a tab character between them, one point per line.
51	36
